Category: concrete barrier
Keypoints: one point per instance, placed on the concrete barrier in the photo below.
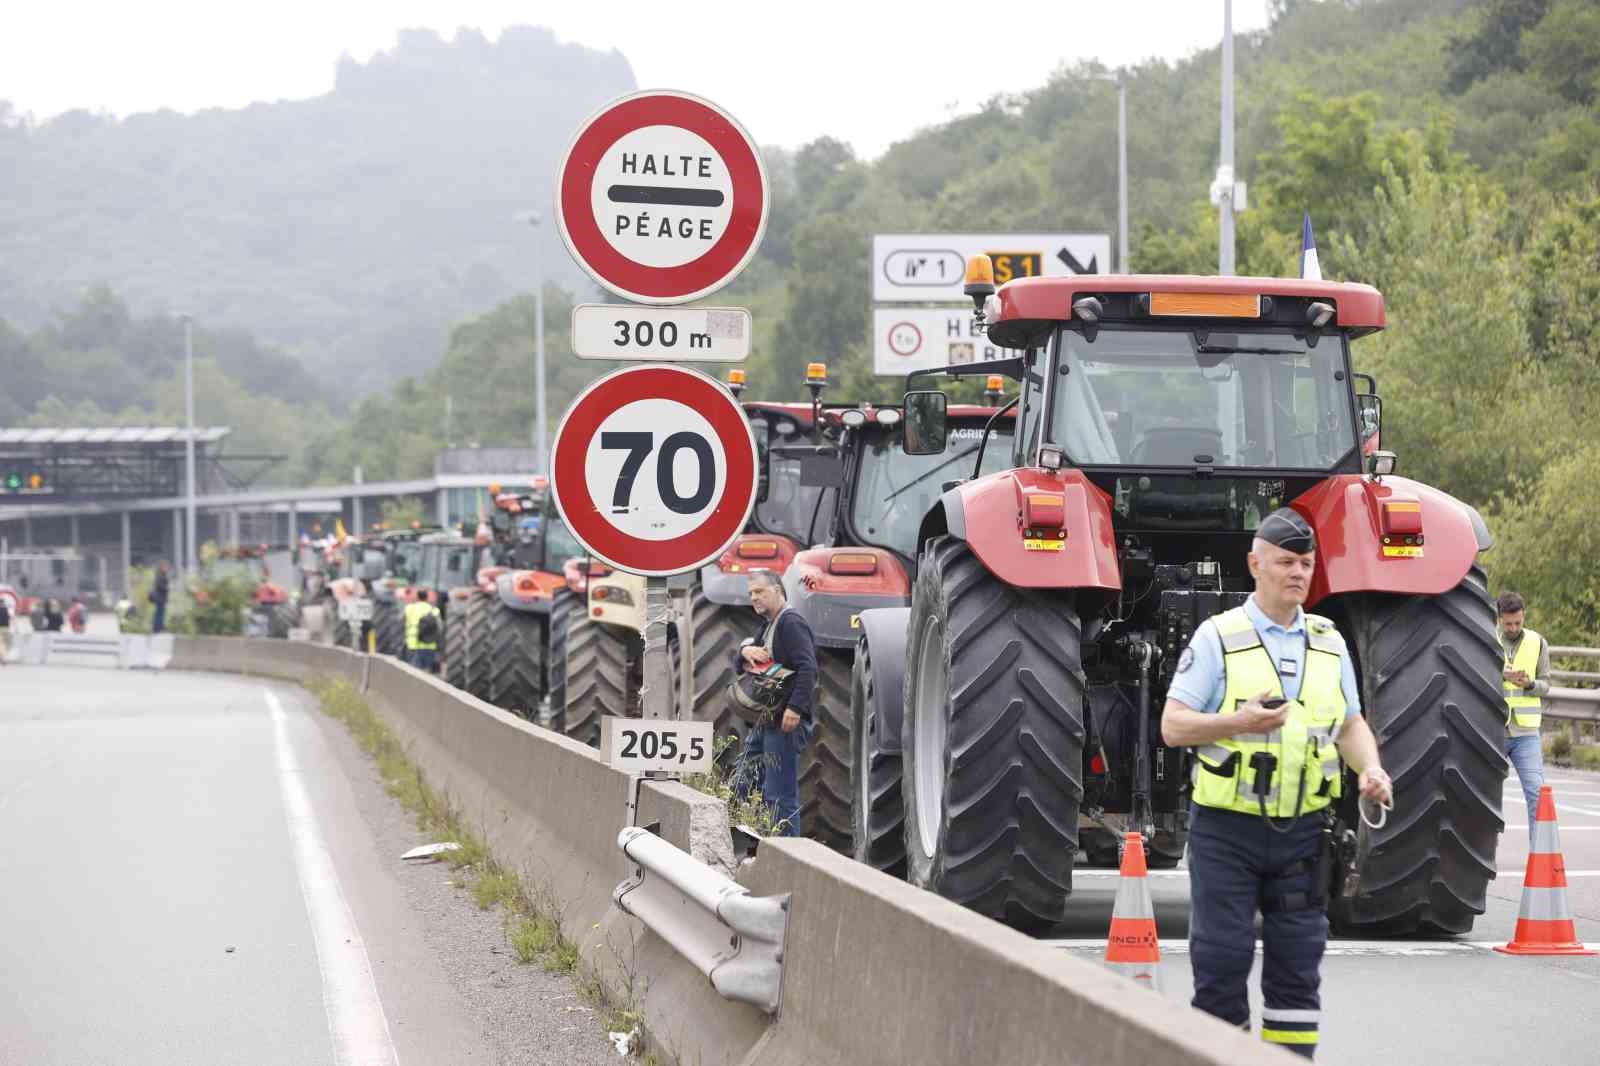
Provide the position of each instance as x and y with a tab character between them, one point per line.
875	971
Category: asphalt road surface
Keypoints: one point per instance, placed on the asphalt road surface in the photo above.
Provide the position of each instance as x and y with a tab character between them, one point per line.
203	869
1450	1002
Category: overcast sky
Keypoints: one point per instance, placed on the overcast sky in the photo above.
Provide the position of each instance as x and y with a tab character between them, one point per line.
867	71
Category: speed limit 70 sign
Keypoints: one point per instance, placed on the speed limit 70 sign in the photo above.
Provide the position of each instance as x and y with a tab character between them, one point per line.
654	469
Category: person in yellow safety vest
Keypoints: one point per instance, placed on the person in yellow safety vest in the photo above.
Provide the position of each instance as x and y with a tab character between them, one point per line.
422	639
1526	678
1267	696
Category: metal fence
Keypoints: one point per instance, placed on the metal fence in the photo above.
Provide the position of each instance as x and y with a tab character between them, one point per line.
1572	698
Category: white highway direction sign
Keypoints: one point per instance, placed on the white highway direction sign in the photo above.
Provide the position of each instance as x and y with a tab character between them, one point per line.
931	267
923	338
699	334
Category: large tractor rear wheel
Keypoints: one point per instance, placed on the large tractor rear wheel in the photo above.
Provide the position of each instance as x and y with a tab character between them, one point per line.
454	647
516	660
992	739
477	634
825	764
718	631
597	677
1430	689
877	815
390	626
282	617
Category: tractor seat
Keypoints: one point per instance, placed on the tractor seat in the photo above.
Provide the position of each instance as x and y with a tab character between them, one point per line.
1177	446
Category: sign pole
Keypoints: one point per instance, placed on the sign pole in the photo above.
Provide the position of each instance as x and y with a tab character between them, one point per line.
658	694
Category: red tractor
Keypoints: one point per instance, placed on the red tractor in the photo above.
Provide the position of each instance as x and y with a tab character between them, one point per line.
876	494
272	612
1161	419
787	515
509	644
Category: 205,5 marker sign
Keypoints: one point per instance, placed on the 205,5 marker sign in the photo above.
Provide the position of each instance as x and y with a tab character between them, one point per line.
641	745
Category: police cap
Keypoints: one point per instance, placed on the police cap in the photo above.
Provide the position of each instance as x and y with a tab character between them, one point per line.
1285	528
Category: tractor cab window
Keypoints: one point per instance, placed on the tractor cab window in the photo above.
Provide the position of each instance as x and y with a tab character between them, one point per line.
560	545
455	566
407	555
789	506
428	575
893	490
1183	398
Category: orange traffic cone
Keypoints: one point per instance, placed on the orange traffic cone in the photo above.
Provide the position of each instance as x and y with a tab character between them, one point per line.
1132	949
1544	925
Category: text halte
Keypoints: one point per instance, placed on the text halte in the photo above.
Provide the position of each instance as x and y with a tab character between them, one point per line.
667	166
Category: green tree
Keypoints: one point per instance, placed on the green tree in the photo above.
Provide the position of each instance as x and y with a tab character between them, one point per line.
1455	366
1563	49
1494	44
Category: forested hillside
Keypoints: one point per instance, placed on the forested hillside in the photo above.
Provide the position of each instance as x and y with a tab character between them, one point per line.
1448	151
350	230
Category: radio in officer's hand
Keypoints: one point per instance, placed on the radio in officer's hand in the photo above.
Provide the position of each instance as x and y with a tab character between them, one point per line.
1274	703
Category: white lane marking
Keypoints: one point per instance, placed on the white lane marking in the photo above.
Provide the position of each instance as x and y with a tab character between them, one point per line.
1564	829
356	1021
1569	808
1352	948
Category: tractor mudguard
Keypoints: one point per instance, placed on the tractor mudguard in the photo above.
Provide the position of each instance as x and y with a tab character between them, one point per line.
1348	513
269	594
489	575
346	588
529	591
988	513
727	581
832	602
885	631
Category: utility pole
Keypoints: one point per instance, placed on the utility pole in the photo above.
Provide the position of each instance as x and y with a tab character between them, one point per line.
1120	80
1225	194
533	219
191	557
1122	172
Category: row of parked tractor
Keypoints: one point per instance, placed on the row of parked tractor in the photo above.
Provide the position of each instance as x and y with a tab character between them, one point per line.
1002	593
535	626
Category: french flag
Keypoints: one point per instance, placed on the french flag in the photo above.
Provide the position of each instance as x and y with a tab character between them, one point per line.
1310	269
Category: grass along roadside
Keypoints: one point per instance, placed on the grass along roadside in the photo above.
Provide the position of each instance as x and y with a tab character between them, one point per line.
531	911
749	810
1560	750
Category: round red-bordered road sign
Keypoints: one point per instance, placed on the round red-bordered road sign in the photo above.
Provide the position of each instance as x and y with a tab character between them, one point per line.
654	469
662	197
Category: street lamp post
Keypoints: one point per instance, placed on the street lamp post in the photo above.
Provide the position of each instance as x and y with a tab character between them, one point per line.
533	219
1224	189
1120	79
190	557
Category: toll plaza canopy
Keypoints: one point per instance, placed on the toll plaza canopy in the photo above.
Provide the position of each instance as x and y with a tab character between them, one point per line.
66	465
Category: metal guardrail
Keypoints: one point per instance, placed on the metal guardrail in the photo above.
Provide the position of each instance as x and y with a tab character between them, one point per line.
694	908
127	651
1573	704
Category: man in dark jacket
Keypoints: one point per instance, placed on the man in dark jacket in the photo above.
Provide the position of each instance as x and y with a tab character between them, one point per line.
772	751
158	597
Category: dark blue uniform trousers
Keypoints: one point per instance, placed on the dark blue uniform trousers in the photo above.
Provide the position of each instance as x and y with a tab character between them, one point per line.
1239	865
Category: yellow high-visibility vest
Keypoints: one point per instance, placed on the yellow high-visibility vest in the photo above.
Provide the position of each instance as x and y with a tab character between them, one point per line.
1523	707
413	615
1305	771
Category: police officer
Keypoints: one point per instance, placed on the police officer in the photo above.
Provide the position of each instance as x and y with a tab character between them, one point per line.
422	643
1267	696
